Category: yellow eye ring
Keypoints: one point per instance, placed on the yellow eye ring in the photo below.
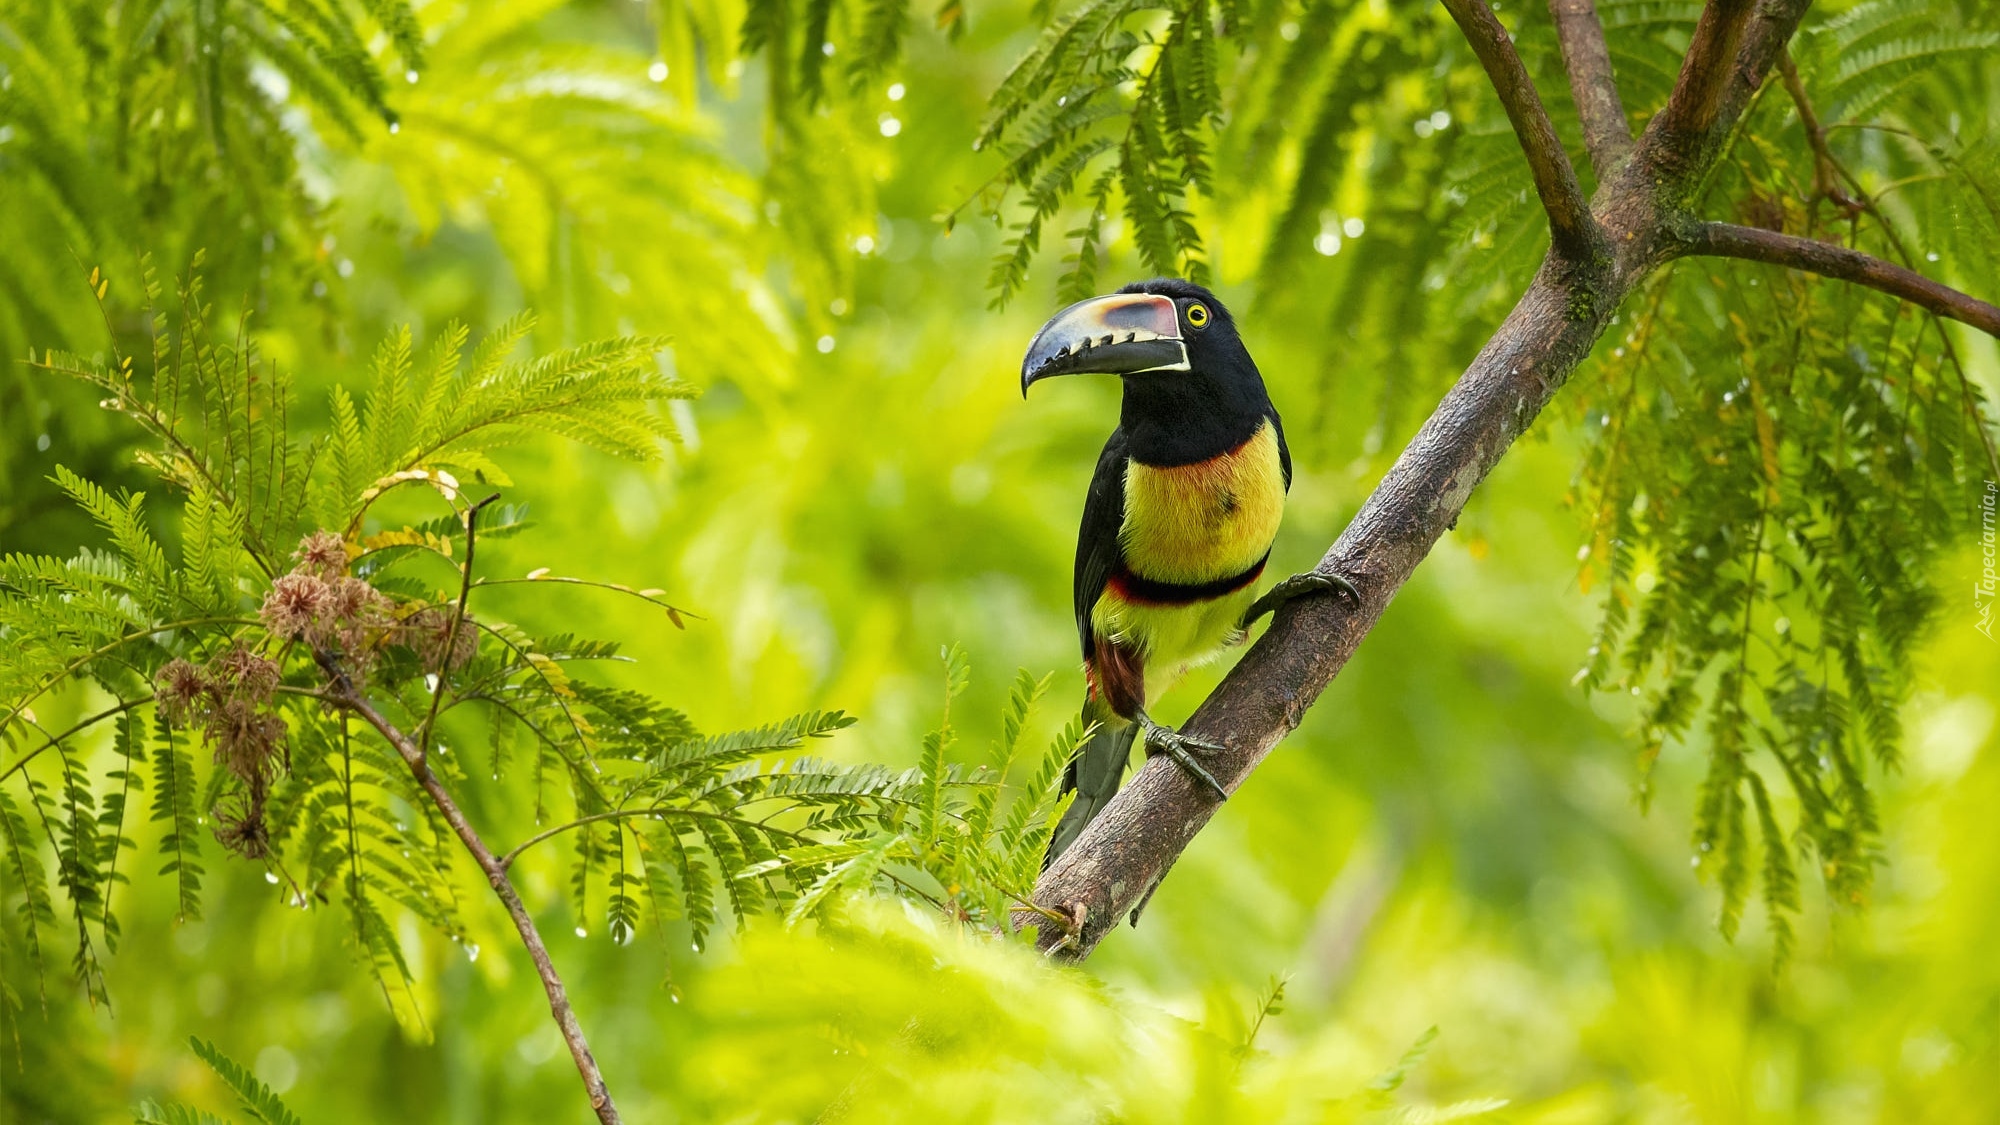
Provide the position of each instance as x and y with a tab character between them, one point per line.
1197	315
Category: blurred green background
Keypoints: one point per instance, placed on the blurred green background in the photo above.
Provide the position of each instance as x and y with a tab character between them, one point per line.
1451	840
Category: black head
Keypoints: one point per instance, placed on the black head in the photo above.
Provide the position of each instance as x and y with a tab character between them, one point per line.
1191	388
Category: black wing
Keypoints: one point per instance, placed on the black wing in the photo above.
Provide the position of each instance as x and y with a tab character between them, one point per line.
1284	451
1098	551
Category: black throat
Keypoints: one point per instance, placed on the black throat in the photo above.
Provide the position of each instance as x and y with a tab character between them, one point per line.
1187	417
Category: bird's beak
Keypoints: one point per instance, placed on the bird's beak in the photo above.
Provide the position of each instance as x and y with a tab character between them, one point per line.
1122	334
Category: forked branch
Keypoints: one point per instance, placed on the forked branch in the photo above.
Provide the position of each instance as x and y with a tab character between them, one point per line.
1572	229
341	692
1725	240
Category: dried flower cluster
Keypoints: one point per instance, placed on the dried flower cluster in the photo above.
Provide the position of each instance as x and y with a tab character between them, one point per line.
320	604
230	699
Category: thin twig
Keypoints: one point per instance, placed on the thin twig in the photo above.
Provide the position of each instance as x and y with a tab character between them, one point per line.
1592	86
73	666
1726	240
51	739
1573	230
344	694
674	612
1826	171
458	615
650	812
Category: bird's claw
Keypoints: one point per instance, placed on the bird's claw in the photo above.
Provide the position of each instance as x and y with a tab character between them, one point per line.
1180	747
1310	584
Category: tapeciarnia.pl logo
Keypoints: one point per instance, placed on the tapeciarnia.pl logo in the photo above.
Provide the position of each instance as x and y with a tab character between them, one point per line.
1987	590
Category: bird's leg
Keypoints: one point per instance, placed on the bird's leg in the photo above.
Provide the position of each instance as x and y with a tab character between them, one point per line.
1180	747
1310	584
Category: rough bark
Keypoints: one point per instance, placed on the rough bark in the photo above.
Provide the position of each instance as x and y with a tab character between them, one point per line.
1696	101
1607	135
1637	221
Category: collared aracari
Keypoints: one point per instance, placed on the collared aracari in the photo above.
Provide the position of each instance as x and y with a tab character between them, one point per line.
1179	520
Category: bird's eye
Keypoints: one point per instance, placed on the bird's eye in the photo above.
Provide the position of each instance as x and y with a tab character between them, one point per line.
1197	315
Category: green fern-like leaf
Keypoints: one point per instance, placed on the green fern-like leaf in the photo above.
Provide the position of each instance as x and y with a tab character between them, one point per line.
174	798
258	1100
25	878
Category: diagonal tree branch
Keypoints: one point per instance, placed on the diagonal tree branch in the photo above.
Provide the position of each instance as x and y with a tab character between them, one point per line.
1606	133
1725	240
1128	848
1770	28
1574	232
341	692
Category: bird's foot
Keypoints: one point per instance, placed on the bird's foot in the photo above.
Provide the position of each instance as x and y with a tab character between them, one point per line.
1310	584
1180	747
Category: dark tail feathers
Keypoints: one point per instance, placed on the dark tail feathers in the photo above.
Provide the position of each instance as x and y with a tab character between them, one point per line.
1094	773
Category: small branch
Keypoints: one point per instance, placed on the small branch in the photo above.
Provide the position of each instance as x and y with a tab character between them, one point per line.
457	618
344	694
1606	132
1771	26
507	861
1575	233
49	740
674	612
1725	240
650	812
1826	170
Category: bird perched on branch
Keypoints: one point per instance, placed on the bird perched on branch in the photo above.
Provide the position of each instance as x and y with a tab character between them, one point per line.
1179	520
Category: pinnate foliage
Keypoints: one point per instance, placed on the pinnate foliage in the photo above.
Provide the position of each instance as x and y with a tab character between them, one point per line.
1064	125
972	859
225	667
908	1021
256	1099
1778	466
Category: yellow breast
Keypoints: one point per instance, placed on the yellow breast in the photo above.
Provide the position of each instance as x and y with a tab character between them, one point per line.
1202	522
